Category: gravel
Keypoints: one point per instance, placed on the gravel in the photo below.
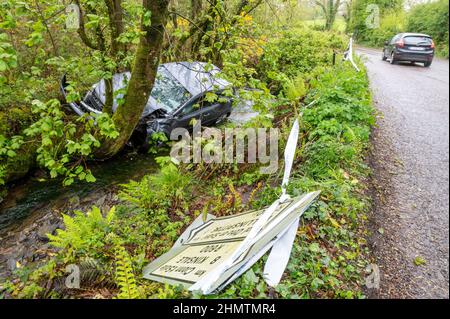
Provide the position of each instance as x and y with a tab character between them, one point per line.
410	159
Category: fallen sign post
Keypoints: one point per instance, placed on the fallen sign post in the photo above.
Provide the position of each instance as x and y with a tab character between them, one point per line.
208	245
348	55
211	254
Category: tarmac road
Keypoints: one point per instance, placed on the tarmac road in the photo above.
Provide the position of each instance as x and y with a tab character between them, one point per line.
410	158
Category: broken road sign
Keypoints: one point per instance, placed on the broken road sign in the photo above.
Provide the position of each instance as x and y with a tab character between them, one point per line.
210	247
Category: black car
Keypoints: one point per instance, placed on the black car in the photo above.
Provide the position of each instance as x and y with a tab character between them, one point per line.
410	47
180	94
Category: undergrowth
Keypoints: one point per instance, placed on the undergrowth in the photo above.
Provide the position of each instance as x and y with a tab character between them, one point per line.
329	254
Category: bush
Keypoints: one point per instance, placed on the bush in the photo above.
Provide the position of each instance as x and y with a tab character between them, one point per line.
360	13
166	189
390	25
297	53
339	123
431	18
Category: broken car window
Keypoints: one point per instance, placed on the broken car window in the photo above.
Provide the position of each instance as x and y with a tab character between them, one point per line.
168	91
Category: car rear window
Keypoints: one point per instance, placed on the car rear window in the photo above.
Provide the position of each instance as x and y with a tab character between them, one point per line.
417	40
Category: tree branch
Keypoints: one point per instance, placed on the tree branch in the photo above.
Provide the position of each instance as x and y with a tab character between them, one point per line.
82	31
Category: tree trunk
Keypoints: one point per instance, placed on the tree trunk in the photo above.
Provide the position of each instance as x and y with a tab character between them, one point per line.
143	75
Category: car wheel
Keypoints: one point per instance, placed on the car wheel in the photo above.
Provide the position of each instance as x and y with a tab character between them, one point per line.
393	61
427	64
383	57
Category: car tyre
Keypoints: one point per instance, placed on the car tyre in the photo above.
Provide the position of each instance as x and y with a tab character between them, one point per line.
427	64
393	61
383	57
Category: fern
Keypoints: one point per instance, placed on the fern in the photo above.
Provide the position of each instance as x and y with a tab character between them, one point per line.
125	278
83	231
171	184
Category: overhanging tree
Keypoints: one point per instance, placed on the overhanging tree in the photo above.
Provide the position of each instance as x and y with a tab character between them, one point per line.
144	69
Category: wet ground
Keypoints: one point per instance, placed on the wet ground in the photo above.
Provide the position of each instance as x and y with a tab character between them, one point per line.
410	157
34	207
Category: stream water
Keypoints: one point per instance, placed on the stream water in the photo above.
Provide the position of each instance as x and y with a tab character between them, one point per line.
32	194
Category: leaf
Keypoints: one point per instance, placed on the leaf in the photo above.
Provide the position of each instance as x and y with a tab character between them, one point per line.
11	153
90	178
251	277
334	223
314	247
147	19
3	66
68	181
419	261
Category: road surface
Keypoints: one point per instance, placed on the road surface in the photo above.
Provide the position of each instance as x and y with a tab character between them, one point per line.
410	158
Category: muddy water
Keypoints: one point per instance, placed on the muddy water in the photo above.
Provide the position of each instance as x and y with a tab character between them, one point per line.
35	194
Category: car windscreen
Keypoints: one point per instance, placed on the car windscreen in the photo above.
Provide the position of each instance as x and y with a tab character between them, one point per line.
417	40
168	92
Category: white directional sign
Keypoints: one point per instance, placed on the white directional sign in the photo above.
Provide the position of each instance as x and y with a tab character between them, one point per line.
211	246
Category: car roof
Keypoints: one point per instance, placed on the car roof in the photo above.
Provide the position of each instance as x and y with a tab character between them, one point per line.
410	34
196	77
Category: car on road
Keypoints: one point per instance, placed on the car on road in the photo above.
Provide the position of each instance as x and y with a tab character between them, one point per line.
409	47
181	93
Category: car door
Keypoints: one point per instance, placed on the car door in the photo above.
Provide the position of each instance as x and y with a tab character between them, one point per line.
210	111
213	111
190	111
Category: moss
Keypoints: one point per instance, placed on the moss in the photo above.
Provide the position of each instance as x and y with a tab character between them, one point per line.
20	165
14	120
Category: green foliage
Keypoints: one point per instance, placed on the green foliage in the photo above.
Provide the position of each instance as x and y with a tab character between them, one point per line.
125	278
297	53
419	261
84	234
157	142
431	18
8	57
391	23
8	149
295	89
171	183
362	12
339	122
328	257
63	142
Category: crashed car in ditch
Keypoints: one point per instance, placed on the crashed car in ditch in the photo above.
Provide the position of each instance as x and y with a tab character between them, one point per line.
179	95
